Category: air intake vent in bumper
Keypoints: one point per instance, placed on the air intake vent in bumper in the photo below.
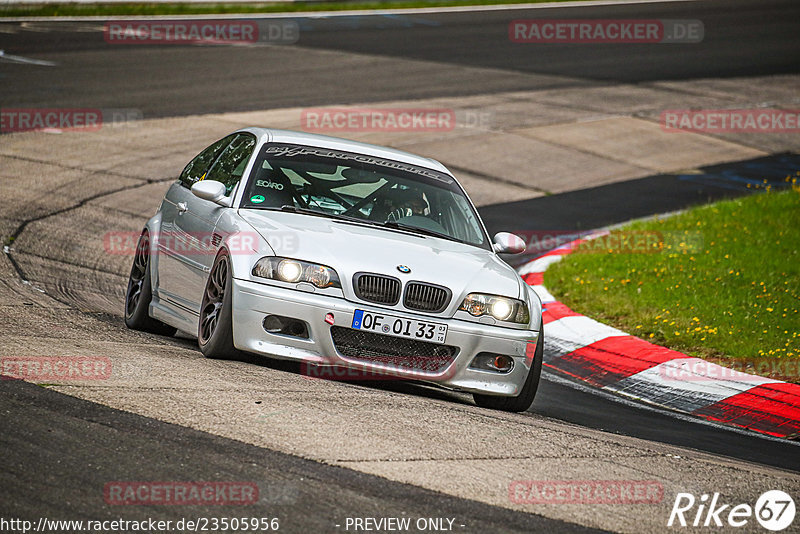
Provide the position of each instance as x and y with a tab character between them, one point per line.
393	352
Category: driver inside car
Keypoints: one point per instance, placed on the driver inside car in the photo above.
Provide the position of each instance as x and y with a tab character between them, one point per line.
408	204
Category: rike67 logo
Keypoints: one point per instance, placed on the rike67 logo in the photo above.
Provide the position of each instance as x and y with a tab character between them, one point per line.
774	510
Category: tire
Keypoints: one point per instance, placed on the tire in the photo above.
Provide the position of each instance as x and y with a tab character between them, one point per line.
140	293
524	400
215	328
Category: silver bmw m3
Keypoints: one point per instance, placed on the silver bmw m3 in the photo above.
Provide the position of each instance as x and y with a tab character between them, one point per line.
340	255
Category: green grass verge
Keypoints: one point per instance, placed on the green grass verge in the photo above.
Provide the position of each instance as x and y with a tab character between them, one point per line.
143	9
722	283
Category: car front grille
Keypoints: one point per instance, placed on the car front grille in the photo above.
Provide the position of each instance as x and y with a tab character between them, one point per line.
426	297
390	351
377	288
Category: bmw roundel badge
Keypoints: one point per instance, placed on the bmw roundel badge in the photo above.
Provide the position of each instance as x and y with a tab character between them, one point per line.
404	269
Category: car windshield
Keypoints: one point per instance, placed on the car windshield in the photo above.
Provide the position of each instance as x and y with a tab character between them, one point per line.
365	188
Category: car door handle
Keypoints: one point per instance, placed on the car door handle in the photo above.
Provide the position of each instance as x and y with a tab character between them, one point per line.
182	207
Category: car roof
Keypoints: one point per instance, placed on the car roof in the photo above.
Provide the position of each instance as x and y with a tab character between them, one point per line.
337	143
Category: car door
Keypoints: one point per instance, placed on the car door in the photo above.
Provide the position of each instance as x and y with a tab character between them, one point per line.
192	243
171	267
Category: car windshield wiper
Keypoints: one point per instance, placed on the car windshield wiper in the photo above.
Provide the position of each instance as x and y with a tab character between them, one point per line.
416	229
394	225
309	211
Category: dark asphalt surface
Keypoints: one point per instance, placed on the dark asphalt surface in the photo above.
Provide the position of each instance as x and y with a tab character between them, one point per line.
586	409
742	37
601	206
58	451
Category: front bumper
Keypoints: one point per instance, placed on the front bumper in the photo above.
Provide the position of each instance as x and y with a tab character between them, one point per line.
252	302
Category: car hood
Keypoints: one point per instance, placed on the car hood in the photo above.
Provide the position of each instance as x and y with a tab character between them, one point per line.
351	248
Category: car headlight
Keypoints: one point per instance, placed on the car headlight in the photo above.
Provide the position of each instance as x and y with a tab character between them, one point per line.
293	271
501	308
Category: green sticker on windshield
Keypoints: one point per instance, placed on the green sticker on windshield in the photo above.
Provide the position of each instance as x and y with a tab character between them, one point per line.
257	199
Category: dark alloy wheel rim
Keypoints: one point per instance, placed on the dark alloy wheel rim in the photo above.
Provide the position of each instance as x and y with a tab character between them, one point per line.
138	272
212	300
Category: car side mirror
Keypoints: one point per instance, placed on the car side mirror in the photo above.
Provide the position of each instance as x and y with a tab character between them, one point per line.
506	243
211	190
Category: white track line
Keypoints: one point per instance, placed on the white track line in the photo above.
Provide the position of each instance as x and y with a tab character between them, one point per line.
19	59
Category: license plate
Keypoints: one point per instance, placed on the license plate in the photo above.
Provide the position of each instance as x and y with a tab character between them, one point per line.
391	325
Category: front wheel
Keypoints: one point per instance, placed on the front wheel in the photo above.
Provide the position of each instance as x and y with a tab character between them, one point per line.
140	293
523	401
215	331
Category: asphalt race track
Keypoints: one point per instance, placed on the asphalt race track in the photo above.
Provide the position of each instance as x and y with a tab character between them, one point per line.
389	57
59	450
139	448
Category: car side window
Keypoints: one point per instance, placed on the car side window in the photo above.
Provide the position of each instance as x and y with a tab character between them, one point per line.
197	168
230	166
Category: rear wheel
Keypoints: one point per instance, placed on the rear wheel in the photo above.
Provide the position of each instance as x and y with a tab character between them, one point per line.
140	293
215	331
523	401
